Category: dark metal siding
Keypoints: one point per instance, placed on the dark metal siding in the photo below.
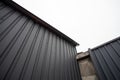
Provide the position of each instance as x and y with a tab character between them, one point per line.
106	59
28	51
39	21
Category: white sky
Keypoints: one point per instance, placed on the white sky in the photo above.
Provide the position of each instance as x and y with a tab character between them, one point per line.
88	22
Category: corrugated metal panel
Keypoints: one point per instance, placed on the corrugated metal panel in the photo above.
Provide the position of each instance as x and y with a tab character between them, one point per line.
106	59
39	21
28	51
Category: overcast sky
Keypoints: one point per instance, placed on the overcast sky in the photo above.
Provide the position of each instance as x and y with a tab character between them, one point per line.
88	22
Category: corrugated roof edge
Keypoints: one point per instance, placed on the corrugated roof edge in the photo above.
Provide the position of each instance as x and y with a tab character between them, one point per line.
39	21
106	43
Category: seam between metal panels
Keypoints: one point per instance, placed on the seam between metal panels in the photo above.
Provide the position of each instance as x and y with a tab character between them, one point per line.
63	74
30	69
74	63
64	62
57	71
12	24
61	49
107	64
46	47
10	27
60	61
67	61
51	55
118	41
49	60
55	57
73	60
42	55
59	58
96	61
12	42
71	66
5	71
112	59
6	16
66	65
20	63
75	66
114	49
100	65
38	56
17	56
5	11
55	54
29	55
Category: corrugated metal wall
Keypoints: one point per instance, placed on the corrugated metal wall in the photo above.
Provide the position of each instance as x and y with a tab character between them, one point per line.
106	59
28	51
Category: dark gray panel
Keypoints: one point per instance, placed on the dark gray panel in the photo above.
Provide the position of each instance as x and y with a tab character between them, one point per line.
40	21
106	59
29	51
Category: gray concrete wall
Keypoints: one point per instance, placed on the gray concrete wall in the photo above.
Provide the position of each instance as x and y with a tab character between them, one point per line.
86	67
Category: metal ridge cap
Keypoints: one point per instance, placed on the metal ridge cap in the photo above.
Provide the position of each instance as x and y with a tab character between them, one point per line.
39	21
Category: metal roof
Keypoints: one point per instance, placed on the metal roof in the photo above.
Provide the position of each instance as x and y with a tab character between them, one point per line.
39	21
